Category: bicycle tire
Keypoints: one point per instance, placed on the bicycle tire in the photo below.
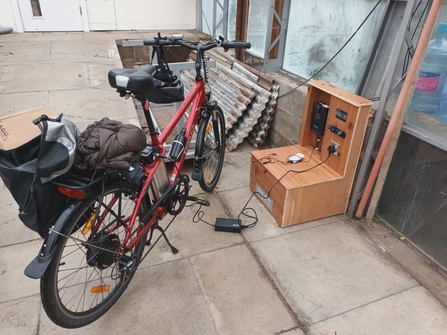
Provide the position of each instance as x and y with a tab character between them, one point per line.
211	145
64	295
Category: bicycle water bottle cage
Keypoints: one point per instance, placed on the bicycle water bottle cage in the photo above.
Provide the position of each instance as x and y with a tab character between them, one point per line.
138	81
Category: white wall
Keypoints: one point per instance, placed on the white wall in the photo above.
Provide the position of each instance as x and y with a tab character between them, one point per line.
141	14
6	15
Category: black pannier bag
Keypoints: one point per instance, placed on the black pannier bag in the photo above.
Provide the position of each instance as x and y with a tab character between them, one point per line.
168	88
27	172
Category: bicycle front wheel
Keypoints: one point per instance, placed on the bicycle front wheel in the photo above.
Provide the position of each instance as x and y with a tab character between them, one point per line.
87	275
211	145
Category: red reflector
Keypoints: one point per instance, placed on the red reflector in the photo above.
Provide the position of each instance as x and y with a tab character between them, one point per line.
71	193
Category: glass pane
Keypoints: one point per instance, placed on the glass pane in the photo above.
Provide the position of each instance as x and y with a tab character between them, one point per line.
257	26
428	107
232	9
35	5
414	197
318	29
207	17
219	15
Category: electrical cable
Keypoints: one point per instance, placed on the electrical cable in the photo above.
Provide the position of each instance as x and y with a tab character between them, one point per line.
336	54
407	54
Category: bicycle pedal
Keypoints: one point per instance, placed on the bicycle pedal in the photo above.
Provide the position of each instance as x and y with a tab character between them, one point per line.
202	201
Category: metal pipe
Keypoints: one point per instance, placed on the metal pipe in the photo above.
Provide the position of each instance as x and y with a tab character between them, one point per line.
402	103
5	30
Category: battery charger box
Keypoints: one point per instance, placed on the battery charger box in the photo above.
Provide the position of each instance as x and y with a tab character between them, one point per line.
228	225
17	129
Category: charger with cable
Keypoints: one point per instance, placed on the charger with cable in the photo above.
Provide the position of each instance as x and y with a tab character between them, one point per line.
295	158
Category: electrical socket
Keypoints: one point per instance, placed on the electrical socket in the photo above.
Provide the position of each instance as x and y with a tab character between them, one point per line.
337	148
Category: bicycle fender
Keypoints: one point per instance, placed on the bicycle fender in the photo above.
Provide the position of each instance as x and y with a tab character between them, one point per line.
197	173
39	265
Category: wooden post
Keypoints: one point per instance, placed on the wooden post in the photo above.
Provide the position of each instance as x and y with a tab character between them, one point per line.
241	25
276	28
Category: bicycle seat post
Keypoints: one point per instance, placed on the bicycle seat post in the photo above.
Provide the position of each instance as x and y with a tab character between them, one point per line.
150	124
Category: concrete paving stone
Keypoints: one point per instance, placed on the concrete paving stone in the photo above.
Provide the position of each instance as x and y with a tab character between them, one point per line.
330	269
266	227
191	238
104	52
13	261
412	312
24	53
43	77
98	75
239	295
88	105
12	230
235	171
35	37
415	263
18	102
20	316
296	331
160	300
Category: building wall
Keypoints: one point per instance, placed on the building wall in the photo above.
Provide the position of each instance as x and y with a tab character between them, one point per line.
123	14
6	15
141	14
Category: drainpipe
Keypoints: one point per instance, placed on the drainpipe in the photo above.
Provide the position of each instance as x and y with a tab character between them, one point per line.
394	127
5	30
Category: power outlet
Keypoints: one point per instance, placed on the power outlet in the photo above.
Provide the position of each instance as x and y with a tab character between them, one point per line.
337	148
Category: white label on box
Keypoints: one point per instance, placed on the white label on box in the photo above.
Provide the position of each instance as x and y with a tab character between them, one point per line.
264	198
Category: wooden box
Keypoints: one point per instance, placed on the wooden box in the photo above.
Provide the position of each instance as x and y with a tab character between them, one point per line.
320	185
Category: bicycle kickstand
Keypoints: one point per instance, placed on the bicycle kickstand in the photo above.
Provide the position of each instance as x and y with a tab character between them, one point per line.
162	231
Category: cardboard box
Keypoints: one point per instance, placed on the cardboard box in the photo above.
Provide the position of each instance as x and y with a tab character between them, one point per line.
18	129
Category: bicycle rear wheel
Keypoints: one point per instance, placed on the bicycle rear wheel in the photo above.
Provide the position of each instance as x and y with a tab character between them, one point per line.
211	148
86	276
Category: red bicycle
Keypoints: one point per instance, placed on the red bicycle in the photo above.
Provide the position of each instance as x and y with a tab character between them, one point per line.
96	245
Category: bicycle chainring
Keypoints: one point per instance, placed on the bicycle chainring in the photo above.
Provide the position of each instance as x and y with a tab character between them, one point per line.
177	199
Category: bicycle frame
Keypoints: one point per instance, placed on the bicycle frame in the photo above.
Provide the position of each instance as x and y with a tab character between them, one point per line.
197	98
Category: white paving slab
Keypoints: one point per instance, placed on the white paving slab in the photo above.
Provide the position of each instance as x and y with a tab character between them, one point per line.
239	295
330	269
18	102
412	312
42	77
13	261
192	238
160	300
24	53
20	316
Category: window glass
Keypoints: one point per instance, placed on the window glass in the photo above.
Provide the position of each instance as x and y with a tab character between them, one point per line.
232	9
427	112
207	17
35	5
318	29
257	26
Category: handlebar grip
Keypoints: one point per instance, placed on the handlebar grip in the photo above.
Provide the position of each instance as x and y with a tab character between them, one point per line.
236	45
148	42
157	42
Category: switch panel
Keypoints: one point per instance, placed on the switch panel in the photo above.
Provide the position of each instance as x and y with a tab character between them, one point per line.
337	131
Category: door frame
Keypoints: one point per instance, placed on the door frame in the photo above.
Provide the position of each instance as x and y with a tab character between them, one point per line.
19	22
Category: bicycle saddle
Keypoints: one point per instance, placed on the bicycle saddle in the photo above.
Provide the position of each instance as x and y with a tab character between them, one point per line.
138	81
